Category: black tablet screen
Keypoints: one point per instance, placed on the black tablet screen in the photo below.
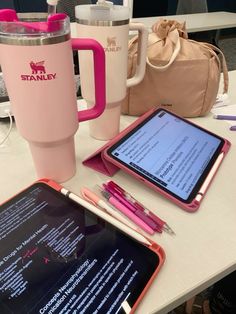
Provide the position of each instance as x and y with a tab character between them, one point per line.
170	152
57	257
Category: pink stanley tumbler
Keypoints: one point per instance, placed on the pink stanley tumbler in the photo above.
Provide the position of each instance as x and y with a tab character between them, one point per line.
37	65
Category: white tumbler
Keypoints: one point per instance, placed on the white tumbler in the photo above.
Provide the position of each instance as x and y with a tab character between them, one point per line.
109	24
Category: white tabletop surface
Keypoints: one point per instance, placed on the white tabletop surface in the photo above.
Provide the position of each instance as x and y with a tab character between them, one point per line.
204	248
196	22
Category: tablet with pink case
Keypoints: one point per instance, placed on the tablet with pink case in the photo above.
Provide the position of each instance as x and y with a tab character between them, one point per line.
56	253
170	154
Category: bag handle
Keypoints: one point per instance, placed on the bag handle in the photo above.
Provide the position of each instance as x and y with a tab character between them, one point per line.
174	37
223	64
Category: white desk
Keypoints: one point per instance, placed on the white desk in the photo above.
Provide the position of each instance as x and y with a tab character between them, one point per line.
196	22
204	248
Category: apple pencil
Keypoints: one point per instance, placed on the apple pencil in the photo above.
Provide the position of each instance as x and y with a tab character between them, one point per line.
94	199
131	232
225	117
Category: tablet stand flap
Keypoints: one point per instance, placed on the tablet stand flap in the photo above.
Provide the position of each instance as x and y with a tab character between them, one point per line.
97	162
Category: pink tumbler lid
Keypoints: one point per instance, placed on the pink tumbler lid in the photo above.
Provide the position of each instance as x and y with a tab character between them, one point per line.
54	161
50	25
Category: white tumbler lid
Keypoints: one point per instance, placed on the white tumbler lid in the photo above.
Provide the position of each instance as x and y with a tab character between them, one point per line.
102	11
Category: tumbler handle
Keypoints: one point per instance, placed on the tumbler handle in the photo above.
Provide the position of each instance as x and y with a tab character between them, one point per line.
142	51
99	77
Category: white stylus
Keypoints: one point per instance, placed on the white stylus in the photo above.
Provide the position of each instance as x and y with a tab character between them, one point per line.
94	199
139	237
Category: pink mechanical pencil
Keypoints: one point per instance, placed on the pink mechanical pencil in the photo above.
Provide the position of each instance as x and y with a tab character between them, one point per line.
137	211
129	198
127	212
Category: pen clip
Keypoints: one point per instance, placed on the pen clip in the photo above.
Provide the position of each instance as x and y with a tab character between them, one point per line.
160	224
115	187
126	195
86	194
119	196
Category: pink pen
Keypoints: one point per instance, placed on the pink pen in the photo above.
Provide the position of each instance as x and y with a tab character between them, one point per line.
138	206
119	196
128	213
137	211
125	194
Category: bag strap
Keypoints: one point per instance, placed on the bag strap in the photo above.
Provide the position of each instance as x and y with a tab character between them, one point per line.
174	37
223	64
133	45
153	39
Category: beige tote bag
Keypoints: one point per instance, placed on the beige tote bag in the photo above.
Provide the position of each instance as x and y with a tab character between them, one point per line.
181	75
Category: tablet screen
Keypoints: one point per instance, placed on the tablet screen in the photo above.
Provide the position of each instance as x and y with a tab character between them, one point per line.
170	152
57	257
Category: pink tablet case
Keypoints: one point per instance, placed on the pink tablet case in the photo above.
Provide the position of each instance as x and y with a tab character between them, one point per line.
97	162
153	247
103	163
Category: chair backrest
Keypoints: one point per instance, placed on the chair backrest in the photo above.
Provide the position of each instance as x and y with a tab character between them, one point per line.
7	4
29	5
191	6
68	7
149	8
